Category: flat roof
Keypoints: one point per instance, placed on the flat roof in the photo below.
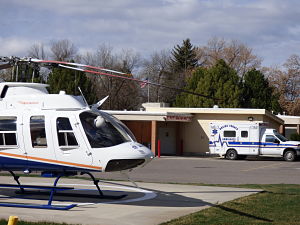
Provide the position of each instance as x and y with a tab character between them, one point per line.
186	114
290	120
149	116
233	111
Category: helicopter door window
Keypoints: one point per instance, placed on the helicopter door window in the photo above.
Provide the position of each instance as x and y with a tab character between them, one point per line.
8	131
38	132
65	132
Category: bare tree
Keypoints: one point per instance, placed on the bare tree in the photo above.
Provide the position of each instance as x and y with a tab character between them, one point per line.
122	94
37	51
287	84
63	50
236	54
157	69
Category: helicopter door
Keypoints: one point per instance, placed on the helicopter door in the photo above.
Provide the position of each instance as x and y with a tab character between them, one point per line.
69	141
37	141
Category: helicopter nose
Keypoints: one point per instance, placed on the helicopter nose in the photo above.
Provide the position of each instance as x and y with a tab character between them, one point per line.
143	151
136	155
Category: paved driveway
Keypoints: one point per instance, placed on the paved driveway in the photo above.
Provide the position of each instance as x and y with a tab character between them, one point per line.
215	171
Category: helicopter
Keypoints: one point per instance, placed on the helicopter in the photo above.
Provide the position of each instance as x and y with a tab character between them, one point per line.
60	134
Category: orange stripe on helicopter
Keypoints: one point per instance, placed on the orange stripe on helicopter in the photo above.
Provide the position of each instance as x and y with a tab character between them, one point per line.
51	160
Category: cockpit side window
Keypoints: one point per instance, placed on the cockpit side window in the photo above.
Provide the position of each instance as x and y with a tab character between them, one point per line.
102	131
38	132
8	131
65	132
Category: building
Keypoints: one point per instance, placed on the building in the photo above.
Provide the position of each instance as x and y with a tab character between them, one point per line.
291	124
185	131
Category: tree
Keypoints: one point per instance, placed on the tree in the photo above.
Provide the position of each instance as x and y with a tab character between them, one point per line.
122	94
63	50
257	93
69	80
37	51
236	54
188	100
220	83
157	69
184	57
287	84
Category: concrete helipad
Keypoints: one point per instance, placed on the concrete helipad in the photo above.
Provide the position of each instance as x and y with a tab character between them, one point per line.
151	203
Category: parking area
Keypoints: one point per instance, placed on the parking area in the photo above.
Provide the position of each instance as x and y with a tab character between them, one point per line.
215	171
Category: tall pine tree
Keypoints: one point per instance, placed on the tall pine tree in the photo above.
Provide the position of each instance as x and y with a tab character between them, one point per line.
184	57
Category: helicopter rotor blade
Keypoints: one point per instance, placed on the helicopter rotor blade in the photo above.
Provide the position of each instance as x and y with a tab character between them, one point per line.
91	70
71	65
136	80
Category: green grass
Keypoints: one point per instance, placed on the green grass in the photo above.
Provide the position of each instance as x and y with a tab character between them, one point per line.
278	204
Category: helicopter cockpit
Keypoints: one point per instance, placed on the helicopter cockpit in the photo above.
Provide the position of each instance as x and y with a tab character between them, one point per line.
104	130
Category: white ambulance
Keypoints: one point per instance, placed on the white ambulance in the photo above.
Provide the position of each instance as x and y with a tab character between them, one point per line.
239	140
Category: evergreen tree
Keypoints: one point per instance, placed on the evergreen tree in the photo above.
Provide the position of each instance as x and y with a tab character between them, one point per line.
184	57
69	80
257	93
220	83
188	100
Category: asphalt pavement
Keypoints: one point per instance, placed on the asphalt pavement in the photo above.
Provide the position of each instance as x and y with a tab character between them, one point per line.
214	171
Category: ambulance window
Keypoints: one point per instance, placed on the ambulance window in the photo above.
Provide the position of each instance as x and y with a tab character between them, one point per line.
38	132
65	132
8	131
244	134
229	133
270	138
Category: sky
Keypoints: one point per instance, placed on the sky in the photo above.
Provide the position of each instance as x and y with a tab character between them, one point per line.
270	27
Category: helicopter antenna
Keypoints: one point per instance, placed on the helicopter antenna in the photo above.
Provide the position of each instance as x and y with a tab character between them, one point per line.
83	97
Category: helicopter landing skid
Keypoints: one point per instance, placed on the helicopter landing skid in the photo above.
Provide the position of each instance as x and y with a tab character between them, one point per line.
53	189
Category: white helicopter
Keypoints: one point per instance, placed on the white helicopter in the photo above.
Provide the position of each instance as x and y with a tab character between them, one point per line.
61	135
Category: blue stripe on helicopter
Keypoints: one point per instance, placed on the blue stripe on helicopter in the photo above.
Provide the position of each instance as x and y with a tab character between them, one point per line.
22	164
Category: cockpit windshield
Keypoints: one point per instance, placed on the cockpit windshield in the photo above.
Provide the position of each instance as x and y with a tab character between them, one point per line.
103	130
280	137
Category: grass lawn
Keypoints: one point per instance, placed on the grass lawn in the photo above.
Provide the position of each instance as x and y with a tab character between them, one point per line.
279	204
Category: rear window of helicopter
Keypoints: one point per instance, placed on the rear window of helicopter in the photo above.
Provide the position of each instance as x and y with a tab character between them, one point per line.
8	131
38	132
65	132
104	134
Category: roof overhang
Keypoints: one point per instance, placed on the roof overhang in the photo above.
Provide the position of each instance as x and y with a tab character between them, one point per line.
151	116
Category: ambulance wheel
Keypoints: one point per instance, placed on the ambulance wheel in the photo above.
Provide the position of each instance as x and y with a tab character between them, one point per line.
231	154
289	156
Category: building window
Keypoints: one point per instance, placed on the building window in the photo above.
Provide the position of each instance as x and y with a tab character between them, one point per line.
65	132
8	131
38	132
229	133
244	134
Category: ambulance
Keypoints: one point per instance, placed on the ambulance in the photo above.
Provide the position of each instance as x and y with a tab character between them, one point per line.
239	140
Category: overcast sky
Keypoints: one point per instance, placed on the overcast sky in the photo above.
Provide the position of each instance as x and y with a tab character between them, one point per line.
270	27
